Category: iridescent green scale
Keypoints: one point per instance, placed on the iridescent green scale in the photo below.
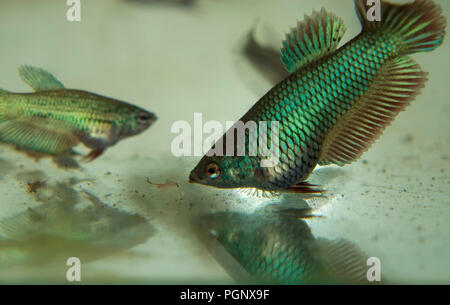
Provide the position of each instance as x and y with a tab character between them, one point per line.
310	101
337	101
277	258
54	119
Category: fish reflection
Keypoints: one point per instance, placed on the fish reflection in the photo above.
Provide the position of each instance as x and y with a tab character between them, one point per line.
67	227
5	167
174	2
271	248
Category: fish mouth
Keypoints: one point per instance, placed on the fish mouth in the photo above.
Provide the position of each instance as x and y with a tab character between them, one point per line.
193	178
153	119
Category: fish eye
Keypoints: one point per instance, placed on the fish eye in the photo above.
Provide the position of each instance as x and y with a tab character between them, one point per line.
213	170
144	117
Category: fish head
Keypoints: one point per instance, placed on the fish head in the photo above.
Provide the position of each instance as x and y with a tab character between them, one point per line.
240	232
228	172
137	121
221	234
229	229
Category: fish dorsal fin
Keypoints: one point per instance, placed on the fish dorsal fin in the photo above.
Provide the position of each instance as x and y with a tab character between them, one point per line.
39	79
315	37
393	89
38	135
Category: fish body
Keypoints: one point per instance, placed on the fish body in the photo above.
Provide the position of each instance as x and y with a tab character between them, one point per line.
53	119
335	102
265	248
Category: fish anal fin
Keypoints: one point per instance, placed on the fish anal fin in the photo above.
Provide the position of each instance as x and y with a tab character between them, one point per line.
313	38
38	78
344	261
394	88
38	135
305	188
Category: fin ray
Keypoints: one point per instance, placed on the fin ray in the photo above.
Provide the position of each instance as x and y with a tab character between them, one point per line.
38	135
418	26
305	188
38	78
313	38
372	113
346	262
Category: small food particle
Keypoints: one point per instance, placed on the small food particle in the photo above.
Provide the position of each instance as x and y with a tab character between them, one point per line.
163	186
32	187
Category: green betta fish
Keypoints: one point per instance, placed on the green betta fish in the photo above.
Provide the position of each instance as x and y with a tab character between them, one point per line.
54	119
335	103
274	249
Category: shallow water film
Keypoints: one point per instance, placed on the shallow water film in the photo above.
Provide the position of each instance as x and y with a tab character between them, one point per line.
125	99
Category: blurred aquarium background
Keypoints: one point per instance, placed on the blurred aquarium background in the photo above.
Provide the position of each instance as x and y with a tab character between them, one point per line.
129	214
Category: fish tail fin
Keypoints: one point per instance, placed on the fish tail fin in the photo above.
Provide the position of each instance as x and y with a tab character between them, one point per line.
416	27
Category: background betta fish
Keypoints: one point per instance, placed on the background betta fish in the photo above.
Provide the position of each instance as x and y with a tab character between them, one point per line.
336	102
270	248
54	119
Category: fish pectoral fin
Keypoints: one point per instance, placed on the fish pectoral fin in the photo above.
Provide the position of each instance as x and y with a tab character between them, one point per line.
94	154
313	38
254	192
305	188
38	135
38	78
393	89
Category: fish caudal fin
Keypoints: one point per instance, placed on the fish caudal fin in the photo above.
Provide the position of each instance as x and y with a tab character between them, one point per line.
417	27
394	88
